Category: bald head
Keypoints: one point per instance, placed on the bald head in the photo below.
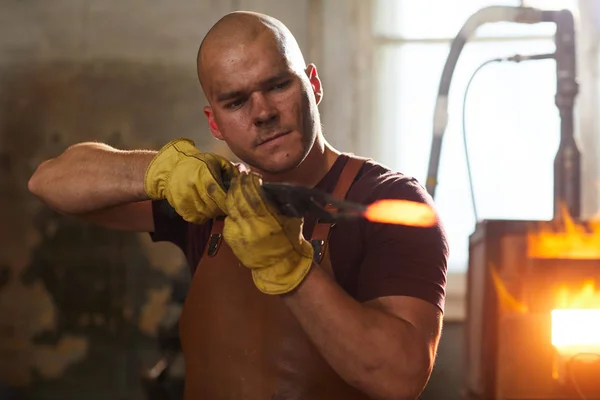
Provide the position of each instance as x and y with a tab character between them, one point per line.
235	34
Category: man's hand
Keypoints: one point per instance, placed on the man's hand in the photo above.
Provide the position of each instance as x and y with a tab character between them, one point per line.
268	243
191	181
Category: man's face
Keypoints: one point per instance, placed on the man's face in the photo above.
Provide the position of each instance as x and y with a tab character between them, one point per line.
260	106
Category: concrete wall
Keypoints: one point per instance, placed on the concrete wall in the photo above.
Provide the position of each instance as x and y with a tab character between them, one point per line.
80	306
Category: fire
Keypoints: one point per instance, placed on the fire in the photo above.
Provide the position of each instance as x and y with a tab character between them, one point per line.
574	241
576	319
588	297
506	300
401	212
576	314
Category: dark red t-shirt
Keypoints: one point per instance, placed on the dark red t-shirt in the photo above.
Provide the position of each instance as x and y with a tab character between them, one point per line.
369	260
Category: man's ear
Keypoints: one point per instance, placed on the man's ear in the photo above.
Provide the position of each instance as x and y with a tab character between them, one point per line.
212	124
313	77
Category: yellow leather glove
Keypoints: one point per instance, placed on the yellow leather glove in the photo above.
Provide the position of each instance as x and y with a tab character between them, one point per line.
190	180
268	243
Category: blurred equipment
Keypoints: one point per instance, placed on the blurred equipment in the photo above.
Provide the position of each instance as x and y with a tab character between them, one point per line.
533	289
533	326
165	379
567	162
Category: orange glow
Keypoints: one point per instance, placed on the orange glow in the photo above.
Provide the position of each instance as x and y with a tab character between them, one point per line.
573	241
401	212
506	300
576	329
586	298
576	319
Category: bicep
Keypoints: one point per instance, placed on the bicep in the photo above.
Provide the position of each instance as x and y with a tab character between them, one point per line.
134	217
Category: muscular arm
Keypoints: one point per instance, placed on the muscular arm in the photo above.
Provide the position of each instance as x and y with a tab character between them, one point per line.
385	347
96	182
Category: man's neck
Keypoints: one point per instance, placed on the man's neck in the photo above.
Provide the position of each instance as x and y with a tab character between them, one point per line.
314	167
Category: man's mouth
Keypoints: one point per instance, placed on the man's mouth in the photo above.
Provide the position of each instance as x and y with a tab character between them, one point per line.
273	137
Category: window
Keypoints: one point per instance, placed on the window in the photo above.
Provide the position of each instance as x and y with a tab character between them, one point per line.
512	123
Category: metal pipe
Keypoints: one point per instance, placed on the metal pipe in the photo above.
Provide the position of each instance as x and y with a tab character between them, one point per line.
567	162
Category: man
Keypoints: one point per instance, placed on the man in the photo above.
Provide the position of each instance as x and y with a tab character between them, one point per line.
279	307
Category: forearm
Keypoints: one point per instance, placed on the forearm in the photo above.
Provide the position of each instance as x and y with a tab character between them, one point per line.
91	176
381	354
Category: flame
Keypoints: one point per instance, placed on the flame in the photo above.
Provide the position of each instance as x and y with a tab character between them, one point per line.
576	319
506	300
574	241
402	212
587	298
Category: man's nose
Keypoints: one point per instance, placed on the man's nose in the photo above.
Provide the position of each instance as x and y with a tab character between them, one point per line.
263	112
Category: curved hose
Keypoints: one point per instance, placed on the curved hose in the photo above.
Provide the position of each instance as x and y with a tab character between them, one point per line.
440	116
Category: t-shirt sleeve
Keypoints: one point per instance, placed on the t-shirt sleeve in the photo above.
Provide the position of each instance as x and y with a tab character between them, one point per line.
168	225
402	260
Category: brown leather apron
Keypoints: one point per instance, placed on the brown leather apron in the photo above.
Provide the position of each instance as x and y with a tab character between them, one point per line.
239	343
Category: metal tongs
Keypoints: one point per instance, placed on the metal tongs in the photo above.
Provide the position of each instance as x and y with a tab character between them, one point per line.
297	201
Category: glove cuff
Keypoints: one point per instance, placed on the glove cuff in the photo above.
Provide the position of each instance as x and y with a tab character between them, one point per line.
159	170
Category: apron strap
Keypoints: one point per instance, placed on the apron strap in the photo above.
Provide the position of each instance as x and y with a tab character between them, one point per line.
322	230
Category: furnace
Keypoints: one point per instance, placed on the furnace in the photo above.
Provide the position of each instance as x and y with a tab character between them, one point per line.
533	311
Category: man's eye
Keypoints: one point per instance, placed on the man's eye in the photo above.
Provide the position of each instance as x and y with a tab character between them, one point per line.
234	104
281	85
